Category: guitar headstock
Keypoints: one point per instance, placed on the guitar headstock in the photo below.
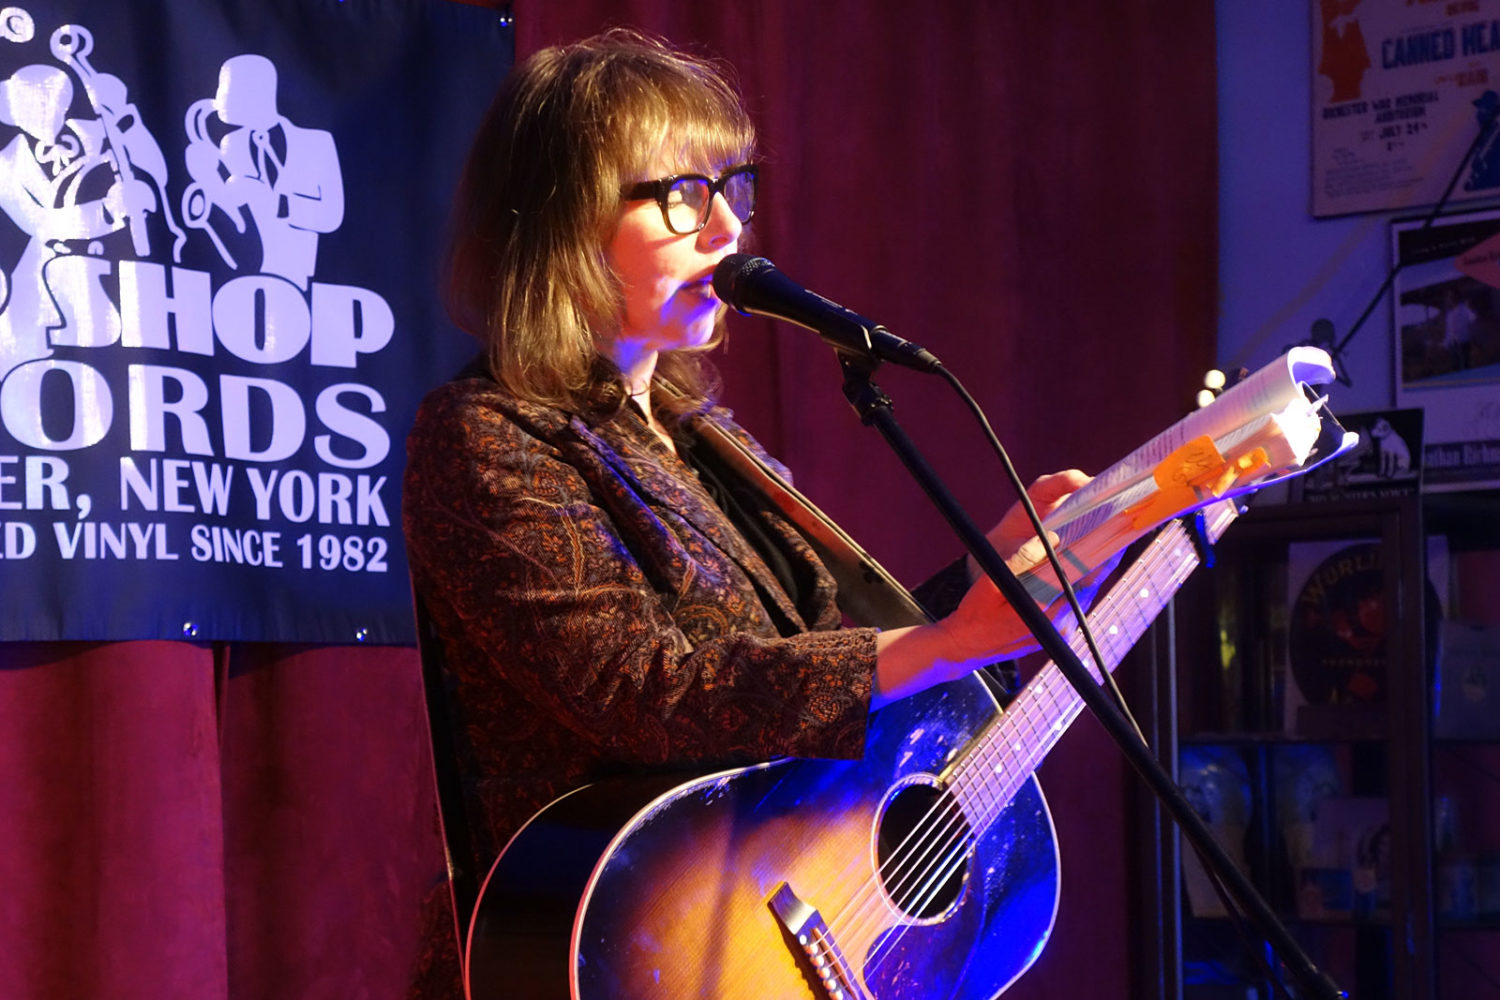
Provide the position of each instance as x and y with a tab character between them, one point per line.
1214	384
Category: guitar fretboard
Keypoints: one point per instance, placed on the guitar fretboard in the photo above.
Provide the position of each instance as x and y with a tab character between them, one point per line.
1006	754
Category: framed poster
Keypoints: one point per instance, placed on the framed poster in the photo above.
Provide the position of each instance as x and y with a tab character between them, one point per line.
1338	621
1386	462
1446	337
1399	89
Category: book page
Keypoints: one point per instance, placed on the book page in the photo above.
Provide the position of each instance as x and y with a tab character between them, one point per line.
1269	409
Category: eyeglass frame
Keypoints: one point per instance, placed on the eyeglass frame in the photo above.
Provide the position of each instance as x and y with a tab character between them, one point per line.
661	187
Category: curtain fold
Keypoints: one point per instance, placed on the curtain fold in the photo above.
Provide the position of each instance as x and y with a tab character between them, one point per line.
330	840
112	844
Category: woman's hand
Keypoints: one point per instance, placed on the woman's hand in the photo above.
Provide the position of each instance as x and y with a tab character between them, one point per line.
1013	538
984	627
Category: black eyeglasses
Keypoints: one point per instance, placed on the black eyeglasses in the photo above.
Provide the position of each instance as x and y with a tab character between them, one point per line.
686	200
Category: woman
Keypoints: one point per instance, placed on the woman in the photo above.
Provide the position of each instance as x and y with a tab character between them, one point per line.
608	593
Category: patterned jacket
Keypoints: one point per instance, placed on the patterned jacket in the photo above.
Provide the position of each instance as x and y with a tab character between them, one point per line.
598	612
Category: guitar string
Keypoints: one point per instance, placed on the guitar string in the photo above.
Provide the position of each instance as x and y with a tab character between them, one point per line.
1178	571
842	968
915	860
906	862
903	854
1012	783
932	876
955	834
956	829
973	779
910	859
1016	776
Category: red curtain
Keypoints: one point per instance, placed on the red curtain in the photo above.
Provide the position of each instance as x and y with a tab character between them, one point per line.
1026	189
205	822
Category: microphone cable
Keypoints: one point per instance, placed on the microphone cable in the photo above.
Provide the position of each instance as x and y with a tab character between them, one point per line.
1231	905
1052	558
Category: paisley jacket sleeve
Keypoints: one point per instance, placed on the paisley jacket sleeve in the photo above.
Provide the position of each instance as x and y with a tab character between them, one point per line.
598	608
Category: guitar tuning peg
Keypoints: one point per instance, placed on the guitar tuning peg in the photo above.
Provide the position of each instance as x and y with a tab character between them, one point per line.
1216	381
1213	384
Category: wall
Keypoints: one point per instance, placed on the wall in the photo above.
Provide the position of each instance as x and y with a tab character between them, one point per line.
1279	268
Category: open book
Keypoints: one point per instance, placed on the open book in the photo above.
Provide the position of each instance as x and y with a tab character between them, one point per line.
1267	426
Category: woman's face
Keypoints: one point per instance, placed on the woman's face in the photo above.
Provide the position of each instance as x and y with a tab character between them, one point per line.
666	278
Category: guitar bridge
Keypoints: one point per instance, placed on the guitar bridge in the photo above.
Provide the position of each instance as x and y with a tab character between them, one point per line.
821	953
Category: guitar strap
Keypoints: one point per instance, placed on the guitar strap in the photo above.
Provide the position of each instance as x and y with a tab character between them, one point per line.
867	593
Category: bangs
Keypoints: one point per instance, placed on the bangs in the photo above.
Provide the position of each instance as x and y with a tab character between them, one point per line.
542	192
681	112
708	141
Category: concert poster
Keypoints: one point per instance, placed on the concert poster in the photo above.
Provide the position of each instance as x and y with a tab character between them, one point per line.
1399	89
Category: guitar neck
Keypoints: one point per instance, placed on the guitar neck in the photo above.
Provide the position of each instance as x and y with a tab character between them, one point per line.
1005	755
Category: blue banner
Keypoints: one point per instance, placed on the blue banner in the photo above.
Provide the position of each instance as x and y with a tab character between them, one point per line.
222	224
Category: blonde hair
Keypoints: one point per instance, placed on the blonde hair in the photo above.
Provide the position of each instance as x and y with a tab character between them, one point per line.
540	197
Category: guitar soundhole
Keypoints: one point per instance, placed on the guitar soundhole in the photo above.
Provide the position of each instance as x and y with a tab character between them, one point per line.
923	846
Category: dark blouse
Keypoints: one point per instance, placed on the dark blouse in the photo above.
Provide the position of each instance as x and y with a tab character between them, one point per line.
734	499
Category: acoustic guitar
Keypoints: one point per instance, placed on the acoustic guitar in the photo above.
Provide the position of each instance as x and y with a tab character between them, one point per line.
927	869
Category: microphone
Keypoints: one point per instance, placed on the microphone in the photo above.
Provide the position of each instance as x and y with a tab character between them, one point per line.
753	285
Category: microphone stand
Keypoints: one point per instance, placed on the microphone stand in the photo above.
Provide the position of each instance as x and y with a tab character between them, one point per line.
874	408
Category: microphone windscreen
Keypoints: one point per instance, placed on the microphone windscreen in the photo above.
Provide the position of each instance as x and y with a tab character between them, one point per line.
730	276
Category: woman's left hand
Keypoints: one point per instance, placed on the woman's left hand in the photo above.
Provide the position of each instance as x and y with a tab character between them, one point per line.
1013	538
1016	542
